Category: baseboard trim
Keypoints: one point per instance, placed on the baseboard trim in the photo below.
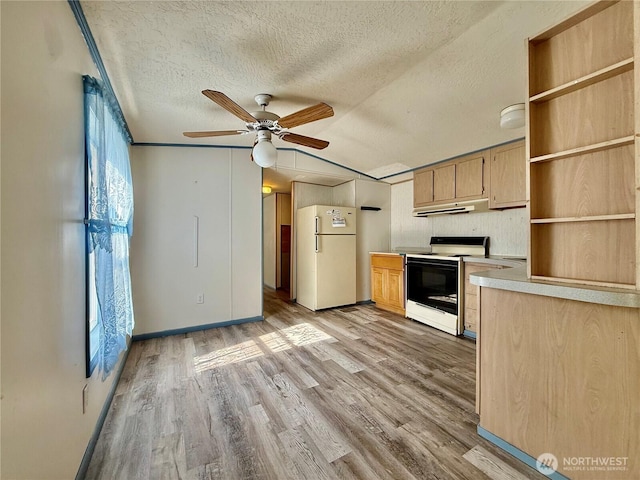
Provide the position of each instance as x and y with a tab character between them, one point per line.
516	452
469	334
195	328
88	453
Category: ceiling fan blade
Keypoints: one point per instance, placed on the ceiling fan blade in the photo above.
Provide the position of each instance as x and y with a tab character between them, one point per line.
306	115
229	105
306	141
218	133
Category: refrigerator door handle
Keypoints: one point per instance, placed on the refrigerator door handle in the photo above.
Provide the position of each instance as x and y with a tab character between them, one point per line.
317	219
317	243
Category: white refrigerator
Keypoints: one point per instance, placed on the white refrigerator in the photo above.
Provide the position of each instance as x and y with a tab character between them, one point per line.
326	256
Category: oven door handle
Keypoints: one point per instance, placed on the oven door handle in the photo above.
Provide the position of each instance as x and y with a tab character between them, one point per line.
431	308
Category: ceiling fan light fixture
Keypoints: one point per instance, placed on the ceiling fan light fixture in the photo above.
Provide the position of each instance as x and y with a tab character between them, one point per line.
265	123
264	153
512	116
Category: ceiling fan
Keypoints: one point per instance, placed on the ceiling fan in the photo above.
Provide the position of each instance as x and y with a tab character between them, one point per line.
265	124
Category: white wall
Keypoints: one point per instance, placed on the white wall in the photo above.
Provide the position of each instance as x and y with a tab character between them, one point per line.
344	195
269	246
373	230
507	228
222	187
44	432
305	194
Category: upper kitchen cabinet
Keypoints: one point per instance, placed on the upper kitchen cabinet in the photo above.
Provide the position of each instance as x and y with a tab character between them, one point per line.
508	176
444	183
582	160
423	187
470	177
464	178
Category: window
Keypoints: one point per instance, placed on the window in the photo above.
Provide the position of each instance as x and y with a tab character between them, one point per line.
109	224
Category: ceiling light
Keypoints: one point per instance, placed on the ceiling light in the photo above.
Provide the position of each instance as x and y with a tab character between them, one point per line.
264	153
266	189
512	116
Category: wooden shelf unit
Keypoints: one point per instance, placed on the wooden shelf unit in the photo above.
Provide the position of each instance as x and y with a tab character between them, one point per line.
589	116
585	44
581	149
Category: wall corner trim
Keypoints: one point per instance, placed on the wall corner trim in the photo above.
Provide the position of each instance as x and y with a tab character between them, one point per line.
78	13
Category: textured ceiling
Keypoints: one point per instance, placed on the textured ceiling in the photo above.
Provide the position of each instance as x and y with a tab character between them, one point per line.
411	83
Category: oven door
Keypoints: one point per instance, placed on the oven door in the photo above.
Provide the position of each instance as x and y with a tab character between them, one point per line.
433	283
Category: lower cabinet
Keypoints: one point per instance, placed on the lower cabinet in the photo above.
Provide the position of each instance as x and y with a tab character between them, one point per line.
471	314
562	376
387	282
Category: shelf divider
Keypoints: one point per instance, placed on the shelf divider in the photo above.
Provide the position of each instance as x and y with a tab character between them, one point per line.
592	218
595	77
596	147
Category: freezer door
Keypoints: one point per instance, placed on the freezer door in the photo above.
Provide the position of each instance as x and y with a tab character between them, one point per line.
332	220
336	270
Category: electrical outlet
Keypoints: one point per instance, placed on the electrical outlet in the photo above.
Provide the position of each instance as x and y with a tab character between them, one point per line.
200	298
85	399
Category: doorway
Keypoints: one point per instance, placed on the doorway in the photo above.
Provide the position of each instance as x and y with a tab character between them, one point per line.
285	257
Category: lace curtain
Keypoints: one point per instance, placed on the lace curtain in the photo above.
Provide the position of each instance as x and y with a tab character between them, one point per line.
109	226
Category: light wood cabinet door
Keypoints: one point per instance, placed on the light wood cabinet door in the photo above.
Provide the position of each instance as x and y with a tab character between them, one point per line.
462	179
387	282
395	288
508	176
377	284
469	178
422	187
444	183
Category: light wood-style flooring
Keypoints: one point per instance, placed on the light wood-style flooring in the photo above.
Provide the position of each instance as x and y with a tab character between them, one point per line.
348	393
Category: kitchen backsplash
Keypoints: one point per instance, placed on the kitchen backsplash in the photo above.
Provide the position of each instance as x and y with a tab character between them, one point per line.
507	228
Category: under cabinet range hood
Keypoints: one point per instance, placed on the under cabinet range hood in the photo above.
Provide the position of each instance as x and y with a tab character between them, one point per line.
481	205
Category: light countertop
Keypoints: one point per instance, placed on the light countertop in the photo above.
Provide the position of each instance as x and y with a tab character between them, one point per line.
515	279
505	261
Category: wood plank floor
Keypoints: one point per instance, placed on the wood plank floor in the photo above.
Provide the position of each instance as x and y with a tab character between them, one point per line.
349	393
